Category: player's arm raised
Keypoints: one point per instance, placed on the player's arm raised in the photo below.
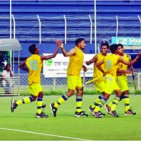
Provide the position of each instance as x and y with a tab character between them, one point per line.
67	54
23	66
58	44
120	60
129	71
94	59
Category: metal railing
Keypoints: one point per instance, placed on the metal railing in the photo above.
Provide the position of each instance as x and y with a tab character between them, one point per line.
9	86
60	84
17	86
116	26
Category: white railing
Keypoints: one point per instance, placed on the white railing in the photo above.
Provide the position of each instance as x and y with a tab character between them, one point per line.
14	26
10	14
60	84
40	24
95	26
40	29
140	23
91	29
65	28
9	86
117	26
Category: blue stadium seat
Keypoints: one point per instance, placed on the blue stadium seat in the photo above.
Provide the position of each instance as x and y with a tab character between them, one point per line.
78	24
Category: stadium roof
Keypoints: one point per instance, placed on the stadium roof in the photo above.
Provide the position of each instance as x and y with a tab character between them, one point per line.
10	45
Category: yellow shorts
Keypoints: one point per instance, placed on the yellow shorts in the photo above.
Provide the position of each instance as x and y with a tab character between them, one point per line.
35	88
110	84
74	81
99	85
122	81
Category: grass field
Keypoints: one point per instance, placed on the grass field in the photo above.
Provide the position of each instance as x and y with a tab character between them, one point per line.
21	125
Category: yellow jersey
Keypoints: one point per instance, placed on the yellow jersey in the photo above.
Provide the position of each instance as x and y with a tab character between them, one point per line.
34	64
110	64
76	63
122	66
97	73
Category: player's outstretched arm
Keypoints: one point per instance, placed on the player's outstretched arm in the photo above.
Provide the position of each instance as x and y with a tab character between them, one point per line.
23	66
50	56
58	44
94	59
65	53
130	63
119	72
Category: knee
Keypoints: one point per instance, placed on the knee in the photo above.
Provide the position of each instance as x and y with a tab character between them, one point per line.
33	98
106	97
40	94
70	93
80	91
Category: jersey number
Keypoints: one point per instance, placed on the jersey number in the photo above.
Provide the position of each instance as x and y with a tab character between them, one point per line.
108	64
33	64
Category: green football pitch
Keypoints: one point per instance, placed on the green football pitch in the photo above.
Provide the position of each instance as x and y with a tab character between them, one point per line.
22	124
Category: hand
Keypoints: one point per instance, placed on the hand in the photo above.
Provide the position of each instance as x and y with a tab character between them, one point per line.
104	73
85	68
59	43
87	63
139	54
62	46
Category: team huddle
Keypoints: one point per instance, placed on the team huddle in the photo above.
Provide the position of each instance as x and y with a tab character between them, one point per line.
110	74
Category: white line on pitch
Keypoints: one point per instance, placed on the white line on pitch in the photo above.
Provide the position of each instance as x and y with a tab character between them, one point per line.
44	134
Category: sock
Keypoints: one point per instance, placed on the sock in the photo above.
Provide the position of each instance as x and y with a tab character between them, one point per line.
25	100
60	100
102	101
123	96
97	108
39	105
126	102
114	103
96	103
78	103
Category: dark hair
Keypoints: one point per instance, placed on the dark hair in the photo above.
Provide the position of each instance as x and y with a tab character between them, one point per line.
105	44
113	48
5	68
79	40
32	48
120	45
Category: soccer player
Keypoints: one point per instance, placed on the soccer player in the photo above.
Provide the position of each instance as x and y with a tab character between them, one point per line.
33	65
111	63
98	75
122	81
74	81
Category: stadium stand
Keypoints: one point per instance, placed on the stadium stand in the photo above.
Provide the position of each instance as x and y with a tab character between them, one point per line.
78	22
